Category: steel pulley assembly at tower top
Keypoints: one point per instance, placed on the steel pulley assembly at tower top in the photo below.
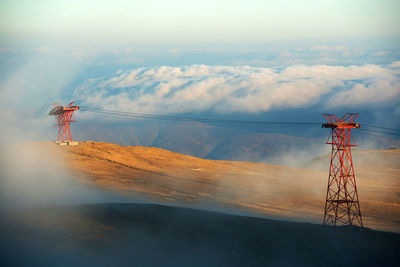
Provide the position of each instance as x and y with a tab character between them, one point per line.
342	206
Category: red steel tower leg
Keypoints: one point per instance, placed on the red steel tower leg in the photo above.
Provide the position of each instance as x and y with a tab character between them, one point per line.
64	119
64	126
342	206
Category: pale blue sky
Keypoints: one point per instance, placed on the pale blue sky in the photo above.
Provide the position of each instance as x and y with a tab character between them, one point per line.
156	21
49	49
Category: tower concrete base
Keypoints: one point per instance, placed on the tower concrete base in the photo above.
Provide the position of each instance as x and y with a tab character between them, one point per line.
67	143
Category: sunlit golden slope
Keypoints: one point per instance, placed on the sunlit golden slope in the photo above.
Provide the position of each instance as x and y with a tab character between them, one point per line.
262	188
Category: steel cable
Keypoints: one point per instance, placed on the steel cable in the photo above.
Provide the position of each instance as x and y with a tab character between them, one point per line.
247	123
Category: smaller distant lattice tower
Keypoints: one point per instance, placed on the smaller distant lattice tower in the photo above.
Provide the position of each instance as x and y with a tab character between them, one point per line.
342	206
64	118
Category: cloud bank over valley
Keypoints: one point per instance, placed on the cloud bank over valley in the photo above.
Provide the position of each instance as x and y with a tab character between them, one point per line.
247	89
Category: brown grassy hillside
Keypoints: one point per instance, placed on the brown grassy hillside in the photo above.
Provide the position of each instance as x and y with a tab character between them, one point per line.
262	188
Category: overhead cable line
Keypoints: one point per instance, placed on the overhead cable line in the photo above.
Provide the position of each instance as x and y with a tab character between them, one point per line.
379	127
205	120
248	123
368	133
380	132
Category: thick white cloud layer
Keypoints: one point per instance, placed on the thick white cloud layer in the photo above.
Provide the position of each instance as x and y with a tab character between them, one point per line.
228	89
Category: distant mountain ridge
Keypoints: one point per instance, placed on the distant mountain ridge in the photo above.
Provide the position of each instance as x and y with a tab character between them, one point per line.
215	142
201	140
266	143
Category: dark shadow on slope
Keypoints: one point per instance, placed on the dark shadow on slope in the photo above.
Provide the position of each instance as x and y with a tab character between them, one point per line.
148	235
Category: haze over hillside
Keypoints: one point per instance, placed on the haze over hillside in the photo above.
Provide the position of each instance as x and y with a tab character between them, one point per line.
189	110
264	189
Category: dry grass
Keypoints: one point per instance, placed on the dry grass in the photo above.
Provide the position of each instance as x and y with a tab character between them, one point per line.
262	188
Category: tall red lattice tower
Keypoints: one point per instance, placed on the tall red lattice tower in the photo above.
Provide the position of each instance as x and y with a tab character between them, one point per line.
64	118
342	206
